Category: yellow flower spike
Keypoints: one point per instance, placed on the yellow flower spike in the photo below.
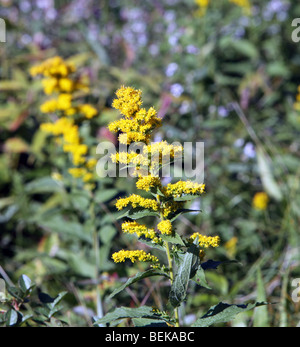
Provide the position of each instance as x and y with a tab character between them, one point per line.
140	230
142	256
205	241
137	201
184	187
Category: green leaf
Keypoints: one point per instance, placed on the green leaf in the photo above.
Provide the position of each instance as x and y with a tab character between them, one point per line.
269	183
149	323
260	318
43	185
51	305
223	313
59	224
25	284
174	239
15	292
187	197
105	195
200	278
12	317
180	284
125	312
139	276
137	213
178	213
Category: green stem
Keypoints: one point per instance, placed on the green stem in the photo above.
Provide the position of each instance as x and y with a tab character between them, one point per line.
171	272
170	265
99	308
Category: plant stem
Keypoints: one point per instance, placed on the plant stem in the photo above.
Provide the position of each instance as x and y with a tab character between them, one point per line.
99	308
170	264
171	272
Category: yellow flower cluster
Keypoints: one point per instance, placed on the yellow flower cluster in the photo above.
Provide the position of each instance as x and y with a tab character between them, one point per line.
121	256
205	241
184	187
260	201
203	5
137	201
148	182
140	230
170	207
57	79
165	227
138	122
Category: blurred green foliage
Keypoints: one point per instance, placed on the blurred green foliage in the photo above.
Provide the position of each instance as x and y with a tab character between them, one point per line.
227	79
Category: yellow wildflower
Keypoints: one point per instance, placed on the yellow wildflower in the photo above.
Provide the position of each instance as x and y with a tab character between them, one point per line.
205	241
49	106
165	227
171	207
134	256
64	102
140	230
260	201
137	201
50	85
88	111
77	172
66	85
184	187
148	182
128	101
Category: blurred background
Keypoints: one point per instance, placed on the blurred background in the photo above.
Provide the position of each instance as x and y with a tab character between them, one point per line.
225	73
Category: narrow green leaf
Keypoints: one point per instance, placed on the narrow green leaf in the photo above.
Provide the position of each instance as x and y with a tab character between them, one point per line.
260	317
269	183
139	276
137	213
223	313
43	185
187	197
180	212
125	312
149	323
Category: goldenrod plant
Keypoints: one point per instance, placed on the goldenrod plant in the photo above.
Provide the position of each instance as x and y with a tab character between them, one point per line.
184	254
67	115
67	112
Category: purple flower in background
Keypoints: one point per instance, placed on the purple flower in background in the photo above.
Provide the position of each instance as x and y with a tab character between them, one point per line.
171	69
249	150
176	90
